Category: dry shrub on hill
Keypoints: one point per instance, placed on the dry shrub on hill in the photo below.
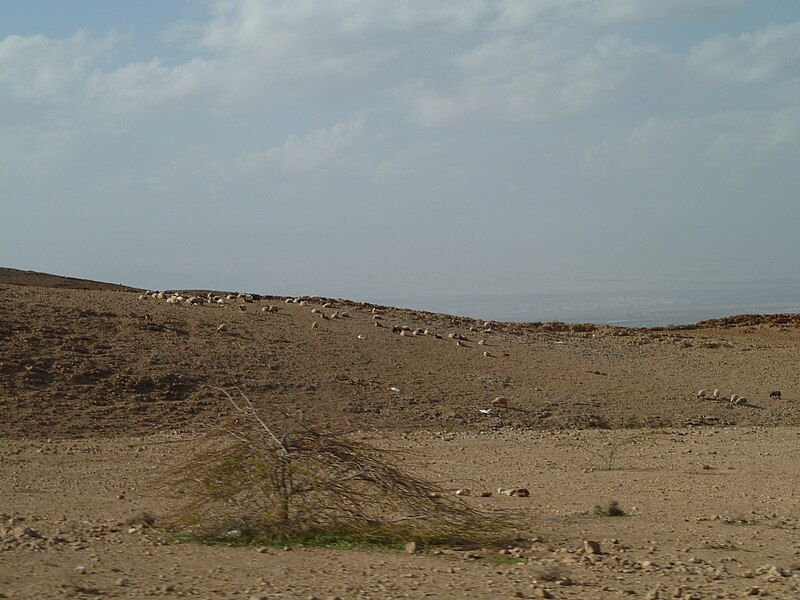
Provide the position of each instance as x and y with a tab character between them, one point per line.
254	485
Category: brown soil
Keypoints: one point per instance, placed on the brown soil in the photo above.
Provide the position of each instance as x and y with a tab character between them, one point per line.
100	390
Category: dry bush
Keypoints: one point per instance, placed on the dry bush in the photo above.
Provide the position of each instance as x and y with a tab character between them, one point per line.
314	484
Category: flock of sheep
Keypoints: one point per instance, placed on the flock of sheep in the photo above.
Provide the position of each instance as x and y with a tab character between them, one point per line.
733	398
242	300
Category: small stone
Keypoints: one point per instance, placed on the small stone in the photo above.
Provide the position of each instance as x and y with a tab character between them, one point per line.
486	494
122	582
591	547
542	593
81	569
753	591
462	492
411	547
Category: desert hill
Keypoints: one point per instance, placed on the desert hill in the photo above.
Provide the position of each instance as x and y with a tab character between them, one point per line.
82	357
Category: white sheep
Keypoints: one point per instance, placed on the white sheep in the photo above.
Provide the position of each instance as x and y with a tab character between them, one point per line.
715	395
314	326
701	394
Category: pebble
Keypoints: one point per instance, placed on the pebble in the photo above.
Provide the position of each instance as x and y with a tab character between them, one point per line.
591	547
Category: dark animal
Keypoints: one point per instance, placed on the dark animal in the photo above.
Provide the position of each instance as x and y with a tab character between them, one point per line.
775	394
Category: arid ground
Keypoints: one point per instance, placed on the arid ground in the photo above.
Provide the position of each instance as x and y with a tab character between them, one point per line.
101	391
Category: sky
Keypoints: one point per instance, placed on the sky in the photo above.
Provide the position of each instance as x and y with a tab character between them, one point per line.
406	148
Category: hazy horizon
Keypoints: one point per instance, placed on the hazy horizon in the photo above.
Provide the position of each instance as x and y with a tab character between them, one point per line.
366	149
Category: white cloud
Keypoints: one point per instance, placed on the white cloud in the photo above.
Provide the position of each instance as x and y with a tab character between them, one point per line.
38	67
749	58
142	86
305	153
516	78
631	11
726	145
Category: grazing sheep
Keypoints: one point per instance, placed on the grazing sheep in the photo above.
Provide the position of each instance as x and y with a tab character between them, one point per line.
142	296
500	401
377	317
734	398
328	305
487	354
221	327
460	344
345	315
316	311
701	394
314	326
378	324
740	400
715	395
481	342
335	314
775	394
288	301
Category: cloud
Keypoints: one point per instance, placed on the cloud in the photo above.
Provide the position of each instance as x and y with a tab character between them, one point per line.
535	80
143	86
749	58
38	67
311	152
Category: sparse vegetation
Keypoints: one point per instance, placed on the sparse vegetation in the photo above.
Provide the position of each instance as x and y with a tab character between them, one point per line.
249	484
612	509
611	449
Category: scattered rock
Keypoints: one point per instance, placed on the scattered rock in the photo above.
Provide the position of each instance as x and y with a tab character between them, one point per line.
591	547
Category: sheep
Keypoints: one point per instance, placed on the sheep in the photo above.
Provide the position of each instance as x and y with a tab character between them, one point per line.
715	395
345	315
500	401
487	354
242	308
314	326
335	314
378	324
741	401
288	301
481	342
316	311
701	394
734	398
221	328
403	332
142	296
775	394
460	344
377	317
173	300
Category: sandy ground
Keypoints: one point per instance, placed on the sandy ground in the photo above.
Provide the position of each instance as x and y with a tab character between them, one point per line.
100	391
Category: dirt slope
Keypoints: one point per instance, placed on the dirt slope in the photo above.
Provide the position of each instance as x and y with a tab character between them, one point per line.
80	361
